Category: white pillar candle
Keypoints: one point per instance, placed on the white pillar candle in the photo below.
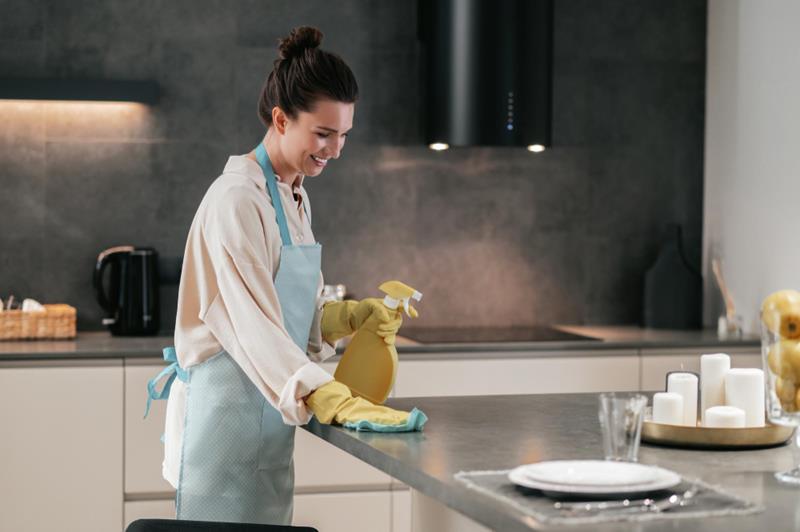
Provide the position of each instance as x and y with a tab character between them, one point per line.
685	385
744	388
713	369
668	408
724	416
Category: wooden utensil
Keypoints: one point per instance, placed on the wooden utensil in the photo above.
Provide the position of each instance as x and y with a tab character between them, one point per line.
730	306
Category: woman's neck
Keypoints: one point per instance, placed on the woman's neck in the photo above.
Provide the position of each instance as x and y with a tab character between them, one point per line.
284	171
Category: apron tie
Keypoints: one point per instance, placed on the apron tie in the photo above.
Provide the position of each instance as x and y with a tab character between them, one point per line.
173	370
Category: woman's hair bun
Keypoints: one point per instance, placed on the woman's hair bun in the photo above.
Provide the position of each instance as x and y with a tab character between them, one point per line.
302	74
299	40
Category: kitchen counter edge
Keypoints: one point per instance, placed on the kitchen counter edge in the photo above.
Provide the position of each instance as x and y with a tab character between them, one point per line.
624	340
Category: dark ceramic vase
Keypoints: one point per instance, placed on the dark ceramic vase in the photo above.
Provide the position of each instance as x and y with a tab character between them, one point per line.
672	287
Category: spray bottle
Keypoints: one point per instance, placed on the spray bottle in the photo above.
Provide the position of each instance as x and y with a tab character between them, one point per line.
369	365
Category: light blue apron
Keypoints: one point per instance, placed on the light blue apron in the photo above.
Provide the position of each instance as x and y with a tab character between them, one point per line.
237	453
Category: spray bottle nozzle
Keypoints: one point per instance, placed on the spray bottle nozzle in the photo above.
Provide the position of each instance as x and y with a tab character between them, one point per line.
397	294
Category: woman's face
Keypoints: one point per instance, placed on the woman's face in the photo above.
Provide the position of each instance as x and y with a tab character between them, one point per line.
311	139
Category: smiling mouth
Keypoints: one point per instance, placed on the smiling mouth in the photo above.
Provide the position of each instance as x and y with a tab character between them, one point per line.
319	161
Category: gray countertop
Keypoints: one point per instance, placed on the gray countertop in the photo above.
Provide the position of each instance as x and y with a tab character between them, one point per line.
86	345
103	345
502	432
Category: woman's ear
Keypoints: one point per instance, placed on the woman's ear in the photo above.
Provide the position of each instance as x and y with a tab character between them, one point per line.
279	119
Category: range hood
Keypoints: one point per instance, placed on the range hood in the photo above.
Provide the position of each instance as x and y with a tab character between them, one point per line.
487	72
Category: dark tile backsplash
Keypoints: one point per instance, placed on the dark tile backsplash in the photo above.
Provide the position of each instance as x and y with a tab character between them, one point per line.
491	236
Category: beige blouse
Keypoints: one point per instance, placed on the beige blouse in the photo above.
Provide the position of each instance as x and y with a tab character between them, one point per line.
227	298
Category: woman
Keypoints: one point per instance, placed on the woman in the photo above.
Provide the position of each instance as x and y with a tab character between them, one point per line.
251	323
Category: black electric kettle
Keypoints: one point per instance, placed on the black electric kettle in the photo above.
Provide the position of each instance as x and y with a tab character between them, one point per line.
131	303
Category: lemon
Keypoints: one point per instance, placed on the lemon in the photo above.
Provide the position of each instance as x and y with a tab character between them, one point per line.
784	359
780	313
785	389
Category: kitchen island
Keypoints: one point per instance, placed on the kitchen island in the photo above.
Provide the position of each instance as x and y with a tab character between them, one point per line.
331	485
502	432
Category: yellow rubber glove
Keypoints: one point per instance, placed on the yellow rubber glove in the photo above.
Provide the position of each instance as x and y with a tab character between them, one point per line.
386	330
343	318
334	402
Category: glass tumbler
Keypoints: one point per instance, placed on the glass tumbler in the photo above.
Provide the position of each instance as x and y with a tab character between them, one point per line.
621	416
780	350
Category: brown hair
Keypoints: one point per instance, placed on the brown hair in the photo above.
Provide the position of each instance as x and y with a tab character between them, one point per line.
303	74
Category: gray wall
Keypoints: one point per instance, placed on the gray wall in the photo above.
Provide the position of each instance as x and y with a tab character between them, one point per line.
491	236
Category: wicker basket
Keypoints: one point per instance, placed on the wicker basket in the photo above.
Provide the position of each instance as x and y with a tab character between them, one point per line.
57	321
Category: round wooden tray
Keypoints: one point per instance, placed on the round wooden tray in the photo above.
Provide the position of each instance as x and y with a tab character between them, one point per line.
714	438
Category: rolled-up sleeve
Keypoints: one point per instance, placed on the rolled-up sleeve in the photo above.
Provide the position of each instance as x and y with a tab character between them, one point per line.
246	316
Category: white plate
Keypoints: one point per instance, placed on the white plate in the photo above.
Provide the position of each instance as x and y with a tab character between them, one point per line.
590	472
593	477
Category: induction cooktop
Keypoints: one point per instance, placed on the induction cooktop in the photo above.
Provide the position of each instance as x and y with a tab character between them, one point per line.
461	335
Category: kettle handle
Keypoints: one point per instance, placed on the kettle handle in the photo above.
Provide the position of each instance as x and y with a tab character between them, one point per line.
103	260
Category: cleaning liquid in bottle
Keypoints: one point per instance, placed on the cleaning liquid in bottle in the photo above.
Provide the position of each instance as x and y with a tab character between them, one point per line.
369	366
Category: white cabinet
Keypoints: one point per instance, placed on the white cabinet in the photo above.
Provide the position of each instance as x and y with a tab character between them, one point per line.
430	514
344	512
61	446
144	451
148	510
568	372
320	466
657	362
401	510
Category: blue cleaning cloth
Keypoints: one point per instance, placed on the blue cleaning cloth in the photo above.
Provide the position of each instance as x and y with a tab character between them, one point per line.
416	420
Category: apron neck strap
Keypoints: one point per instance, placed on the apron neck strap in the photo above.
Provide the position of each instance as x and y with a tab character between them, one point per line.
269	174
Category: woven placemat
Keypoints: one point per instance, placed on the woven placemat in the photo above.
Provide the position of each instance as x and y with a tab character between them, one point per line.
706	501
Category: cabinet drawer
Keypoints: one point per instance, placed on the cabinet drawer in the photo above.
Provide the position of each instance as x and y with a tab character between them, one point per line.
401	510
329	512
61	447
320	465
144	451
344	512
492	376
148	510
